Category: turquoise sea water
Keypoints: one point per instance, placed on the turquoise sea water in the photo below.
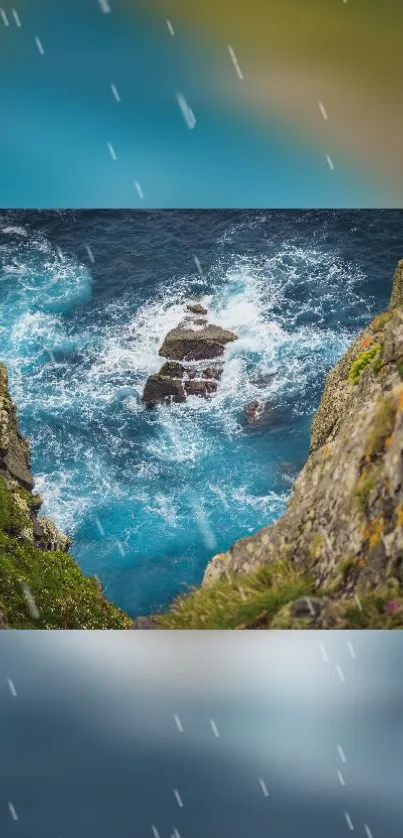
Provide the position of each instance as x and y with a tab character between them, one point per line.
149	497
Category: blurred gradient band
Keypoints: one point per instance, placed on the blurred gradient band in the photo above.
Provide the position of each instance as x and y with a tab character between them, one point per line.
344	54
188	104
255	734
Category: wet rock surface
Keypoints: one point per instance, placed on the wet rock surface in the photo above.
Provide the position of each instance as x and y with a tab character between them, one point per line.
191	342
196	308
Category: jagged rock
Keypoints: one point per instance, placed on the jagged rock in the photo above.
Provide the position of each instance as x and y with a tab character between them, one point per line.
14	450
15	469
161	389
172	370
211	372
51	538
200	388
174	382
196	308
344	520
191	345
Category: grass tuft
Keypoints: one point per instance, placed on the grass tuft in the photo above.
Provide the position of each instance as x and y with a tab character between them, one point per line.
241	602
372	355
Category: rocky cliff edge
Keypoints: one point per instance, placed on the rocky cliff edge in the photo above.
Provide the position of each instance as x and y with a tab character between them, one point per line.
41	586
335	558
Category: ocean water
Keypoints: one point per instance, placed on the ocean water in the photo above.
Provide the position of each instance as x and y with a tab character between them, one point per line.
62	115
100	728
85	301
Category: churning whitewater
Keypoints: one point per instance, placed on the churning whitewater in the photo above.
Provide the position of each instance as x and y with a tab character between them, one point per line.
86	299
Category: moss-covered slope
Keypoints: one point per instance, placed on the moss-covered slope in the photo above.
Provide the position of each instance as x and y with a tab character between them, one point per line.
335	558
41	586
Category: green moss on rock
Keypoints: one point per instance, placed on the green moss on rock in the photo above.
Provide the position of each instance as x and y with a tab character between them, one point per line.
12	518
372	355
41	586
63	596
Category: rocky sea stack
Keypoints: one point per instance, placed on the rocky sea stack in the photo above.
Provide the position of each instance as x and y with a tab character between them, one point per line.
188	347
41	586
335	558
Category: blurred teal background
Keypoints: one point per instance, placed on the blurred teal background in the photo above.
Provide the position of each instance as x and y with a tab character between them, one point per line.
91	746
94	112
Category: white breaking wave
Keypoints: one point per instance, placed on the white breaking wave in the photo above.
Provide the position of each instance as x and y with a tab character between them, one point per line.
273	355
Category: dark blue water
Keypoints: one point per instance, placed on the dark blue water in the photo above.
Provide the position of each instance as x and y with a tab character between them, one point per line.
90	744
149	497
60	114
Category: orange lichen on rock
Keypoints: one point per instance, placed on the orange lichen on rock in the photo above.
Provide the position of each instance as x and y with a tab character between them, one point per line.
366	342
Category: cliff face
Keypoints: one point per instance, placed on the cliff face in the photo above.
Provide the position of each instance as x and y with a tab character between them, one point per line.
40	584
333	560
340	542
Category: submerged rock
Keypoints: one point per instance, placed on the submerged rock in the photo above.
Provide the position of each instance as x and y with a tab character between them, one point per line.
254	412
262	381
262	413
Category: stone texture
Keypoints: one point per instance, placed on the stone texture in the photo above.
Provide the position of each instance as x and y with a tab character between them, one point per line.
196	308
172	370
344	520
396	299
200	388
15	470
176	381
50	537
14	450
161	389
195	345
211	372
